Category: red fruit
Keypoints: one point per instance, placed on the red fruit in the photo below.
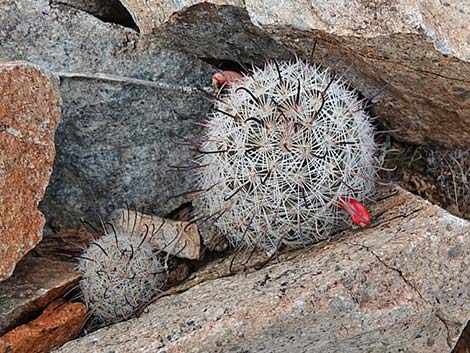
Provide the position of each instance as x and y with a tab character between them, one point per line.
356	210
225	78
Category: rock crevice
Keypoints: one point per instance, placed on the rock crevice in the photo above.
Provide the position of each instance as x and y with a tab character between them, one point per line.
408	283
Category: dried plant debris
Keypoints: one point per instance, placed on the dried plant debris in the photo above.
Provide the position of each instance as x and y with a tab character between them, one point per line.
439	175
453	168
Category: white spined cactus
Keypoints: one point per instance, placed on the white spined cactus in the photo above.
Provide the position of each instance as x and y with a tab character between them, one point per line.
120	273
285	150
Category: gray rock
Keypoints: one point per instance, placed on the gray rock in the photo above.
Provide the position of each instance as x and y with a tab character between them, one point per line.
66	39
399	285
116	139
116	145
417	51
106	10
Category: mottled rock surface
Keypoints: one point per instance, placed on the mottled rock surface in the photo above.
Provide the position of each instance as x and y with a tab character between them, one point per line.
59	323
106	10
116	145
417	50
36	282
29	115
124	102
399	285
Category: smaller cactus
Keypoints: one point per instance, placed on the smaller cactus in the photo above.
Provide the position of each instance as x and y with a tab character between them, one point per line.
120	273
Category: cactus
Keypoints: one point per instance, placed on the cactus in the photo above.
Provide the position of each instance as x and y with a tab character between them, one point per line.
286	150
120	273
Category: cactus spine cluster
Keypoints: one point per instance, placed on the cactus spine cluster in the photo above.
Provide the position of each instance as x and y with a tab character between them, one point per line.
120	273
284	147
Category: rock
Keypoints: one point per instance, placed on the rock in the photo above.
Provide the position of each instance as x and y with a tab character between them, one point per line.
177	238
106	10
29	114
400	284
64	39
188	25
64	244
59	323
116	145
36	282
124	102
417	51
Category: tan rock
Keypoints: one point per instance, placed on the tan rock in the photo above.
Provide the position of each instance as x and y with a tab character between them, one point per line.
418	50
399	285
29	114
36	282
59	323
177	238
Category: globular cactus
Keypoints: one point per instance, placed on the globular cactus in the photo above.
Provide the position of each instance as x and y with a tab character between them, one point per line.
120	273
287	150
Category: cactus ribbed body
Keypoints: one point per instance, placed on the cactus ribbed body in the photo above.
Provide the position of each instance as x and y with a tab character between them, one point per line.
120	273
283	146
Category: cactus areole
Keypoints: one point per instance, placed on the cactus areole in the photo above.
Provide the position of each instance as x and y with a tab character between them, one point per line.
288	156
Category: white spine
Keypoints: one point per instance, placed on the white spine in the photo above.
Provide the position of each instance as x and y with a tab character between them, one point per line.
120	273
282	147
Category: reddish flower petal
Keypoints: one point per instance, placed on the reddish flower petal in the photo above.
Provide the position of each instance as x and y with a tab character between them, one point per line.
356	210
226	77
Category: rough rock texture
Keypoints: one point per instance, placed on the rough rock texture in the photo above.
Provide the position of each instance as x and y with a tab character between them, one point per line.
124	101
190	25
106	10
399	285
35	283
29	114
115	146
59	323
418	50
